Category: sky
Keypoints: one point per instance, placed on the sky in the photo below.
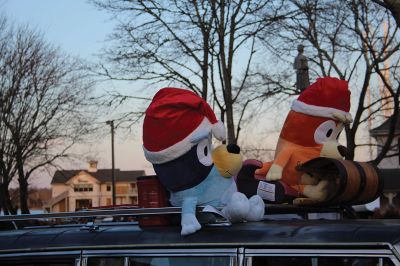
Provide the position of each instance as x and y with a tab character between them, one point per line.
79	29
74	25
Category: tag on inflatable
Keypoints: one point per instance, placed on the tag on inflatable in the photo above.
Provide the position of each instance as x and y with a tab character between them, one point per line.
266	191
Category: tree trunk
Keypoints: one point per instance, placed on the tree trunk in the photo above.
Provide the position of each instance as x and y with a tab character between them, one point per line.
350	143
230	124
23	195
204	78
5	200
2	201
23	184
226	76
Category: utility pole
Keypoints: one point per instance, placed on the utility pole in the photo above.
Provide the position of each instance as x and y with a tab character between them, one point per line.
111	123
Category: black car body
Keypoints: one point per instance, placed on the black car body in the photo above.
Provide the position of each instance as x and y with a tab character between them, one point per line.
291	241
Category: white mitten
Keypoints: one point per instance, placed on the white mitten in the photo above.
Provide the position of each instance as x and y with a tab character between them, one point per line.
344	118
318	192
274	173
307	179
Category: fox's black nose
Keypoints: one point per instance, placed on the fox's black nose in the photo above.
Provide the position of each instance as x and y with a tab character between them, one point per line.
342	150
233	148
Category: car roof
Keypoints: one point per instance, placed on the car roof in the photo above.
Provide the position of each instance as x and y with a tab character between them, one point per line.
266	234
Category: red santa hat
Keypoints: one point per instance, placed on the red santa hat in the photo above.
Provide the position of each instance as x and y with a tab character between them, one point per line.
324	98
173	121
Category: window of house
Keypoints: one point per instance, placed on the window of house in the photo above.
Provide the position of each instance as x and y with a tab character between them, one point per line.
108	188
120	200
83	204
134	200
83	187
122	189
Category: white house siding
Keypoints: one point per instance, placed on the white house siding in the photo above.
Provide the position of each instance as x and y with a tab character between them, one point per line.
57	189
99	196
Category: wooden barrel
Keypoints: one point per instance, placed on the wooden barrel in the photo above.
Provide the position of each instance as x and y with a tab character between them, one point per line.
373	183
350	182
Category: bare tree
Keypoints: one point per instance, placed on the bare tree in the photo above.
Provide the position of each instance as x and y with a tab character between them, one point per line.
7	150
380	45
193	44
43	100
347	39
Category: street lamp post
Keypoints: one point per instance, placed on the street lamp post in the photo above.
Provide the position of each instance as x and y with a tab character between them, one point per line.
111	123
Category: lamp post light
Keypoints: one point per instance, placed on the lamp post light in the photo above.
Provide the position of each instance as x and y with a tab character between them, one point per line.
111	123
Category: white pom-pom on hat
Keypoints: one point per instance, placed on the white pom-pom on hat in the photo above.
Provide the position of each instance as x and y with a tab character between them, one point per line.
218	130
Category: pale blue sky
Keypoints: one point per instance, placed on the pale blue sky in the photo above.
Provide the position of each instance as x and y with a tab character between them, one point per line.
76	26
79	29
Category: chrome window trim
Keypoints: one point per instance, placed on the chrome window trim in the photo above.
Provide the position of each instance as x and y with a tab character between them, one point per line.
249	259
232	253
176	252
241	259
83	261
317	252
370	253
41	254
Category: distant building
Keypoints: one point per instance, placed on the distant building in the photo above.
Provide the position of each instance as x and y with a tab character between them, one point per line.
79	189
37	197
390	166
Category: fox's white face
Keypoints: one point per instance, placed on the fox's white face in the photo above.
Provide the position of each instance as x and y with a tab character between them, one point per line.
327	135
332	149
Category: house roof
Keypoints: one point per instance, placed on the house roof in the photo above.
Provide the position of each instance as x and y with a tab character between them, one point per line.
383	129
103	175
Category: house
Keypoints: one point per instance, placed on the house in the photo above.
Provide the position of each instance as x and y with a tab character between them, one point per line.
389	166
79	189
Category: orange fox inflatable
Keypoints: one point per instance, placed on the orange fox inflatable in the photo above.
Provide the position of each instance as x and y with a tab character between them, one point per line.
310	130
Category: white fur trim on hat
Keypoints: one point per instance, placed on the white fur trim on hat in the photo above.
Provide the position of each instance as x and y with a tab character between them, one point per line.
179	148
314	110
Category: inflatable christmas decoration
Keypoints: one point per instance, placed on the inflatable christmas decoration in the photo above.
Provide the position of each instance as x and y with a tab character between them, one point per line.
311	130
177	133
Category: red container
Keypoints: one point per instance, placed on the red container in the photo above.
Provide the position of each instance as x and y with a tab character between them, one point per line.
152	194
